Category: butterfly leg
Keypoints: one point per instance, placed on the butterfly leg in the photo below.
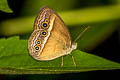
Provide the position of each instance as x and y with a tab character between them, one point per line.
73	60
62	62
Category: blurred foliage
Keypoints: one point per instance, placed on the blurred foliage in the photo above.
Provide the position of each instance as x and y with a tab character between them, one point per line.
32	7
4	6
101	15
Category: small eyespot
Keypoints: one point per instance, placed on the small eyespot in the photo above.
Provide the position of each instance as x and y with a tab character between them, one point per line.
38	42
47	20
43	33
45	25
37	48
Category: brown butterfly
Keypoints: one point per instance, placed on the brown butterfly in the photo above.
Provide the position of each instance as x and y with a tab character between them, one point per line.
51	38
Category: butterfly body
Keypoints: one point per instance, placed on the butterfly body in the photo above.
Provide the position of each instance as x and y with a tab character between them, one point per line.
50	38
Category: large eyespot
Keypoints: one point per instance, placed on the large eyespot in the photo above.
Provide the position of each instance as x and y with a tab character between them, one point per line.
43	33
45	25
38	42
37	48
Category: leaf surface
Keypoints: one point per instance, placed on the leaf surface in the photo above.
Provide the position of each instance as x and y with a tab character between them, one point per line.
15	59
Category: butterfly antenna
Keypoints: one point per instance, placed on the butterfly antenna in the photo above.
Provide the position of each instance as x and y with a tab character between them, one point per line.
79	36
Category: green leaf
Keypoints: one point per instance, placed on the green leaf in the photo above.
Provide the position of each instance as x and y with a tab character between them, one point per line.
4	6
14	59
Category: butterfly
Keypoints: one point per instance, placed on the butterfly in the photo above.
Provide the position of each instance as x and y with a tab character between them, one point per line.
51	38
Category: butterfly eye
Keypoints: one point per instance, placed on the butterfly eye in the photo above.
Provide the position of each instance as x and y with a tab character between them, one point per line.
38	42
44	25
37	48
43	33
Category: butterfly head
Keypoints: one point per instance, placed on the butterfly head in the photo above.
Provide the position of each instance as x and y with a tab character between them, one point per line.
74	46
